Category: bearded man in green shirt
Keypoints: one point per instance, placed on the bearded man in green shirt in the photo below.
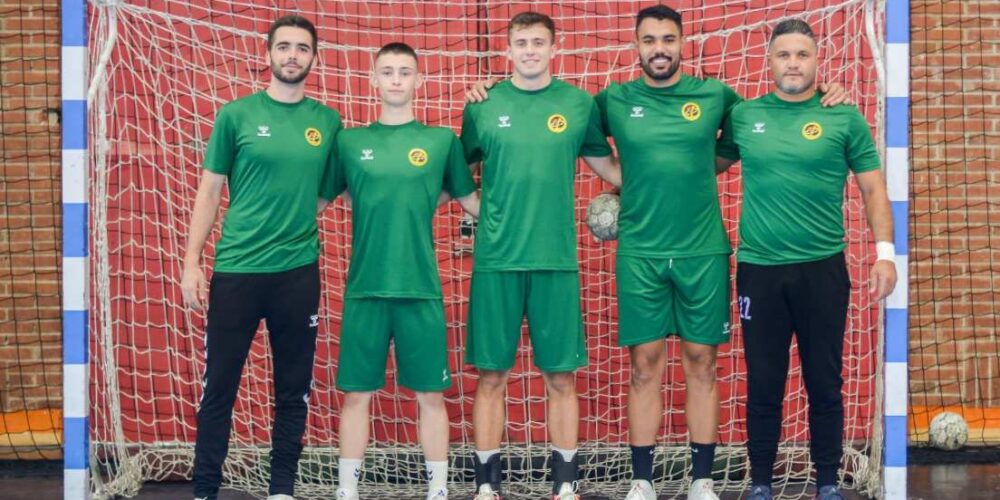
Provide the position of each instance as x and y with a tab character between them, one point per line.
273	150
791	275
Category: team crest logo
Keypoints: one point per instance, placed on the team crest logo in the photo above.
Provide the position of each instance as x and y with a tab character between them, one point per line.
557	123
691	111
812	131
417	157
314	137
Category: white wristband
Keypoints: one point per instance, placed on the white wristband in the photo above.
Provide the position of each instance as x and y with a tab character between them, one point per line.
885	250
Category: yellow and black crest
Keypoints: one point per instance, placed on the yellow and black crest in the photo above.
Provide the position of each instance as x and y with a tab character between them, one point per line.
314	137
812	131
417	157
691	111
557	123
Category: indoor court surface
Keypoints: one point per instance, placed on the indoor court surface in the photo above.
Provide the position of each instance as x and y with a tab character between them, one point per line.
107	108
925	482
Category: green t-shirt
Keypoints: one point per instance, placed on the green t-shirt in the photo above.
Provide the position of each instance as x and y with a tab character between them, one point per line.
394	174
275	156
528	142
666	143
795	162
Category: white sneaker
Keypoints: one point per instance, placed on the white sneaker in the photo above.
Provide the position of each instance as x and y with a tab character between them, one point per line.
280	497
345	494
441	494
486	493
641	490
702	489
566	492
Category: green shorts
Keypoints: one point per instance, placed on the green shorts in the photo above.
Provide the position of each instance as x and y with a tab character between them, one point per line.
415	326
498	303
660	297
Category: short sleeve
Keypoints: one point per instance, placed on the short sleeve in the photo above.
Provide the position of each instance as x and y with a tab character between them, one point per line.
595	142
458	181
602	107
326	187
472	150
220	155
730	99
862	156
338	123
726	146
335	179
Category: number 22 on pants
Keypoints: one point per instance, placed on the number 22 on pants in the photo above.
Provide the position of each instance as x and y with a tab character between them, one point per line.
743	303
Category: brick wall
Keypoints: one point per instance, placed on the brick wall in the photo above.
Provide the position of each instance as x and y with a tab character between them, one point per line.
955	210
30	354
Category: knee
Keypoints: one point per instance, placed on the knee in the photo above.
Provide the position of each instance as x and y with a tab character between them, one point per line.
561	384
765	400
825	399
492	382
700	367
646	368
700	357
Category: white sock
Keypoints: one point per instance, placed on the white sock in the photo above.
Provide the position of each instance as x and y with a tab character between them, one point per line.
350	471
567	455
484	456
437	475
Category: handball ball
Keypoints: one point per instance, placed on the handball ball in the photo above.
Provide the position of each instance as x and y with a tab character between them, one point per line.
602	216
949	431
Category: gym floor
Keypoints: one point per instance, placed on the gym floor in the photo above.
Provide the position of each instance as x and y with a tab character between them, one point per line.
926	482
